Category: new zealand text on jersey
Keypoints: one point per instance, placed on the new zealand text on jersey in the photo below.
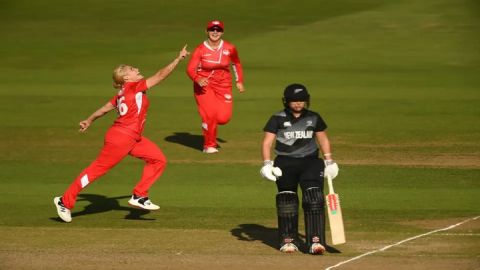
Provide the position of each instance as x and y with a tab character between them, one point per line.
302	134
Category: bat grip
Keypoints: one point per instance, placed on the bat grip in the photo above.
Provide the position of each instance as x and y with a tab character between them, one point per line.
330	185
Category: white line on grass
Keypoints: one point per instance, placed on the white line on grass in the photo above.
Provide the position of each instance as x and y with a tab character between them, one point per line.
401	242
458	234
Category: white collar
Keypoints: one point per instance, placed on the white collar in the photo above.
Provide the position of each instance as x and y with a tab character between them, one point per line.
209	47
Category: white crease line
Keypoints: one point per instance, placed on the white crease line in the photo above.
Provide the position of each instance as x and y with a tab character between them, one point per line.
458	234
401	242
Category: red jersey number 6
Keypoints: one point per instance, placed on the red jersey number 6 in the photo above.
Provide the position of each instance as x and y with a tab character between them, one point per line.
122	107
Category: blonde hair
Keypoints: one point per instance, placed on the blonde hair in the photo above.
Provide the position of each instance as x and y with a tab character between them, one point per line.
118	74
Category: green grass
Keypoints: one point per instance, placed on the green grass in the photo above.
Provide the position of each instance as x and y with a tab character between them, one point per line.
217	196
397	83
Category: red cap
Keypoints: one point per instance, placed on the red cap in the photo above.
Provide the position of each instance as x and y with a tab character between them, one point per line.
215	23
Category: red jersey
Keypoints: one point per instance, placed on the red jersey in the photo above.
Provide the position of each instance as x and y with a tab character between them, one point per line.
215	64
132	105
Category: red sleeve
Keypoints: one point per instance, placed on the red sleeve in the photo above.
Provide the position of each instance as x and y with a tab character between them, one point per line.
237	66
114	100
193	64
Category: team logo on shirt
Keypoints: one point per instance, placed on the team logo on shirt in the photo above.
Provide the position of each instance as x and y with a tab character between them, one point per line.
309	123
226	52
287	124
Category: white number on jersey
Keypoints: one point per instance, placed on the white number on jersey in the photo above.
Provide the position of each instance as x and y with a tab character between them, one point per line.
122	107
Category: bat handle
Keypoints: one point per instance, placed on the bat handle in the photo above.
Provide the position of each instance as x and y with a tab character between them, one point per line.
330	185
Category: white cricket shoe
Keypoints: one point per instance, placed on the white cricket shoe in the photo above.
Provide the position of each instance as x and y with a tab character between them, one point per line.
289	248
210	150
317	249
62	211
142	202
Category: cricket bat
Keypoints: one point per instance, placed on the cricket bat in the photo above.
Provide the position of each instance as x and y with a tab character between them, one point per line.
335	215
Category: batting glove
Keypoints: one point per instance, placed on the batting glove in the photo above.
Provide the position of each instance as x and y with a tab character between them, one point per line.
331	168
269	172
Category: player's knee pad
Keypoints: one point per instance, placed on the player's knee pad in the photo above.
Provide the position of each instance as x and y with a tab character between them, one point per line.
313	208
313	199
287	203
287	211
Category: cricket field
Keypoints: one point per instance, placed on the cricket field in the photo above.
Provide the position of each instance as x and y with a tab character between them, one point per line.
398	83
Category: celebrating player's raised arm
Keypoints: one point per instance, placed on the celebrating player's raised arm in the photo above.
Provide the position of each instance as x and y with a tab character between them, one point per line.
163	73
124	137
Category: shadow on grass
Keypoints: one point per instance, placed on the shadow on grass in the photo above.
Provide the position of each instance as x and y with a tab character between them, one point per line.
268	236
255	232
101	204
188	140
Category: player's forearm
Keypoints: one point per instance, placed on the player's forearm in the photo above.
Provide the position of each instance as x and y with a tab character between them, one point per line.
237	66
163	73
267	145
94	116
192	68
327	153
324	143
100	112
266	155
167	70
238	72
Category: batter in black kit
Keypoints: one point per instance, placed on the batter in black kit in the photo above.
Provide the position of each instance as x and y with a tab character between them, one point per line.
298	134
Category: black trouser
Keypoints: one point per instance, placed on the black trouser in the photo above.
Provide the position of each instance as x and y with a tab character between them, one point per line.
308	173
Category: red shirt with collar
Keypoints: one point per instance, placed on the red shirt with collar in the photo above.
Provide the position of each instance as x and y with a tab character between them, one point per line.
214	64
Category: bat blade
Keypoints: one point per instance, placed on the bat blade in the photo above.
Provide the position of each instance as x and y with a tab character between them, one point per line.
335	217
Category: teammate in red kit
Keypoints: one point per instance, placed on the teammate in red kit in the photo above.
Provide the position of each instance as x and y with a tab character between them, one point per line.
209	68
124	137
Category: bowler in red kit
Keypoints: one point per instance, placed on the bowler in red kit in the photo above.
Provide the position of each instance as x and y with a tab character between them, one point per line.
209	68
124	138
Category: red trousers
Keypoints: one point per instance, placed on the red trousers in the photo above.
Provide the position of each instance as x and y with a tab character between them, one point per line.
215	108
118	145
